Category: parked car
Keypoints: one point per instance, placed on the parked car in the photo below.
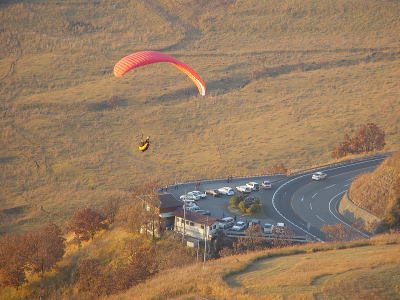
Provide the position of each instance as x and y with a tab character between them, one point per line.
193	207
254	222
193	196
226	191
266	184
189	202
243	189
267	228
239	226
225	223
254	186
188	197
214	193
203	212
202	195
318	176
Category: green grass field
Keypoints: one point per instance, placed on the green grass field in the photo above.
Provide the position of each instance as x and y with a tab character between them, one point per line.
285	80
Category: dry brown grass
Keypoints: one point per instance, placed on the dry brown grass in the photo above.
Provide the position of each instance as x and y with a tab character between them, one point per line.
373	191
285	80
290	273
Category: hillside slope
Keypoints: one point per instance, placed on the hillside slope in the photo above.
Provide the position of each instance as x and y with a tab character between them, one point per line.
285	79
378	191
357	270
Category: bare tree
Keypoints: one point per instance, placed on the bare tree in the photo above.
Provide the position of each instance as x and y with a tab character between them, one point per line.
132	216
110	209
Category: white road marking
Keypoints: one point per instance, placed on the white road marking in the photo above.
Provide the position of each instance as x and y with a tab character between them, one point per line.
346	185
308	174
302	199
314	195
350	179
330	209
310	206
318	217
328	187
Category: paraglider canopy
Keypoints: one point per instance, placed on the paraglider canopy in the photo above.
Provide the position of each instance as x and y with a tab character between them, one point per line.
143	58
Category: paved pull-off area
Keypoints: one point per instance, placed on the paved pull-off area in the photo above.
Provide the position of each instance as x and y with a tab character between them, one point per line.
301	203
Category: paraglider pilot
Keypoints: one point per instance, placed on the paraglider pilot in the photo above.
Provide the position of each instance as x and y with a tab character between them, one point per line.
144	144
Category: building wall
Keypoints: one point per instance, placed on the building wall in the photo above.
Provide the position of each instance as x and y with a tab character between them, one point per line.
192	229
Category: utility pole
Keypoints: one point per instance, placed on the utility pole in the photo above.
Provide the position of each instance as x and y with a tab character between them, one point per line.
205	240
198	248
184	222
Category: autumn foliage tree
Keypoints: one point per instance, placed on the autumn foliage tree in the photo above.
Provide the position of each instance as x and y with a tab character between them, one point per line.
12	260
369	137
37	251
85	223
44	248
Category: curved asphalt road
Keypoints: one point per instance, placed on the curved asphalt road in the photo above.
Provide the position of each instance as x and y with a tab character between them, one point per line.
307	205
301	203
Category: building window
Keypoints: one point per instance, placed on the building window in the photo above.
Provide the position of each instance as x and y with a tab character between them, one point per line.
202	226
191	224
187	222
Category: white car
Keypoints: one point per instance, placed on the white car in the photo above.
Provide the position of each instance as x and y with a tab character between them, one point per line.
226	191
202	195
189	196
318	176
268	228
266	185
244	189
193	207
239	226
189	202
253	185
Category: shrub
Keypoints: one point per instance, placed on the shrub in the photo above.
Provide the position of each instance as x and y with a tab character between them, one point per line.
254	208
235	200
242	206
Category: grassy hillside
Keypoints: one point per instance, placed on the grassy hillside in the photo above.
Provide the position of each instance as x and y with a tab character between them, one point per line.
357	270
285	79
378	191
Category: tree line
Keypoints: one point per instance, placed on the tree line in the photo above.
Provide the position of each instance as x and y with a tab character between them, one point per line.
141	256
34	252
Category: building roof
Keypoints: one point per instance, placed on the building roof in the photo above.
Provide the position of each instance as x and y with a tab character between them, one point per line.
194	217
168	201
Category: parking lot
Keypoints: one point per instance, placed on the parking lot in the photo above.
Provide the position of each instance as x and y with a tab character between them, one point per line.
218	206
